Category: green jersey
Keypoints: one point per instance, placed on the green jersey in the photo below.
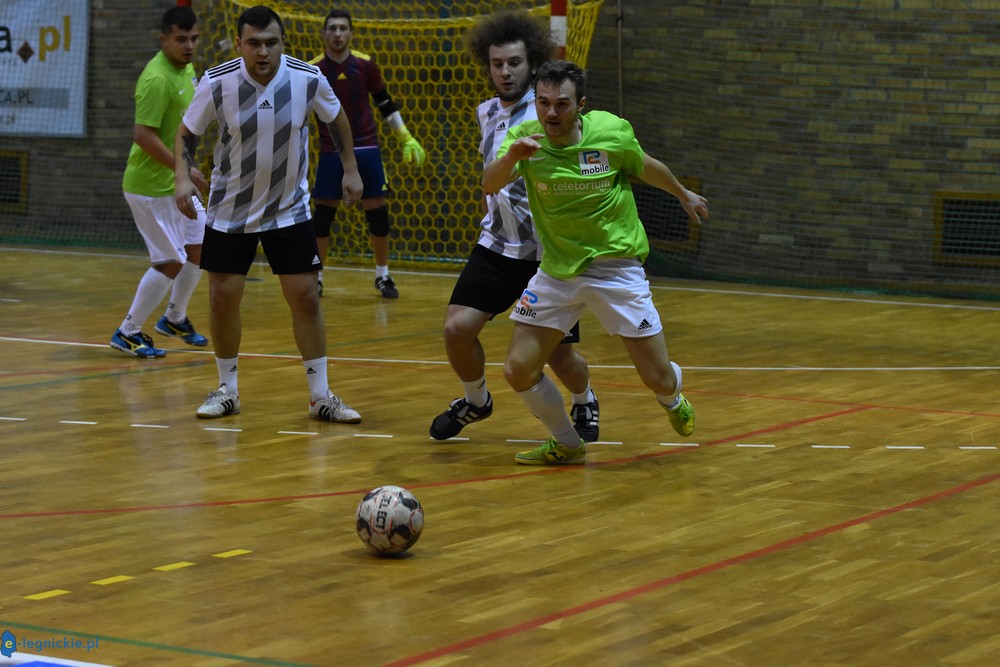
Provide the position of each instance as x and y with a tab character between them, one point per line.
581	197
162	93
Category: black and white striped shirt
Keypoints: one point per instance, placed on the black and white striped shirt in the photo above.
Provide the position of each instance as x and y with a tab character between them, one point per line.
507	227
261	169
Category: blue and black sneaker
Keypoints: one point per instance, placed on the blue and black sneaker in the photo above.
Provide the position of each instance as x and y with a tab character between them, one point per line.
138	345
185	330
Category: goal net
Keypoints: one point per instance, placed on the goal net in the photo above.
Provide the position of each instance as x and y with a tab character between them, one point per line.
435	209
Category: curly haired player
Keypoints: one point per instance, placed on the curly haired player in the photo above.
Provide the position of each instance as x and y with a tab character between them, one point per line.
510	47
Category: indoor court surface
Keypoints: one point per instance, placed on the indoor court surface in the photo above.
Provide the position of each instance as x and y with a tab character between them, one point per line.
837	504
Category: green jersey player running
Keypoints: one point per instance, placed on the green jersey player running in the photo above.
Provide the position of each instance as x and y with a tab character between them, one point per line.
577	170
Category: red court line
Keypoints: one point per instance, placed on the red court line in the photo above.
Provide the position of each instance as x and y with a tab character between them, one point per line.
481	640
427	485
474	480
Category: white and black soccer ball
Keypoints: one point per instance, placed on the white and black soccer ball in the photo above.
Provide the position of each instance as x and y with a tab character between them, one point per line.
389	520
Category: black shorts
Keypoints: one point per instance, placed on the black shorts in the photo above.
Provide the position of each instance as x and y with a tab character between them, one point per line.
288	250
492	283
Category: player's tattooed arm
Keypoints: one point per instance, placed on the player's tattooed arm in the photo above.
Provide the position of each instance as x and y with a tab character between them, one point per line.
337	136
188	181
190	147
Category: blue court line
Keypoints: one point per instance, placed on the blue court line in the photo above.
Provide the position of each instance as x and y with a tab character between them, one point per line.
153	645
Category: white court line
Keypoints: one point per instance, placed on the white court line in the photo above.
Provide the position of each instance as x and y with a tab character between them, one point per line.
13	419
807	297
297	433
905	447
430	362
753	446
19	657
976	447
679	444
373	435
830	446
450	275
70	421
225	430
148	426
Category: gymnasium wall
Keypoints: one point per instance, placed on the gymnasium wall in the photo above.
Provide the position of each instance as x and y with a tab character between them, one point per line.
843	143
847	144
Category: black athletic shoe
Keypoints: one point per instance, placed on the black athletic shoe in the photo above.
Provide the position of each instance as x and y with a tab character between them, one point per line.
459	414
586	420
387	288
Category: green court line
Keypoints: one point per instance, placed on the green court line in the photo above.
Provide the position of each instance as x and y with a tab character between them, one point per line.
152	645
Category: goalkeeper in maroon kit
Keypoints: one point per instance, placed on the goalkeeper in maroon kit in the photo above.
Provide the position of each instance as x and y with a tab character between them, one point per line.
354	77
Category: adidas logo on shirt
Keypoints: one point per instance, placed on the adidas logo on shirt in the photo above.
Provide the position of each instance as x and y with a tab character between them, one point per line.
265	105
502	127
644	325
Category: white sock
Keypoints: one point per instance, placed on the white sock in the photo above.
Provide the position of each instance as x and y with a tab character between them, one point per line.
228	369
476	392
381	271
319	385
545	402
180	295
586	397
670	401
152	288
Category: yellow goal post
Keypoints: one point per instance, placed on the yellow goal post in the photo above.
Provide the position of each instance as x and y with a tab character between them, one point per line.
435	209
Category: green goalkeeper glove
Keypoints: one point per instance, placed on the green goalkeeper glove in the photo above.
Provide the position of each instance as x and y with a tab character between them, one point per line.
413	152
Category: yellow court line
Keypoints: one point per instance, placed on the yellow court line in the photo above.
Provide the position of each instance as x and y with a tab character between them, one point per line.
230	554
47	594
55	592
112	580
173	566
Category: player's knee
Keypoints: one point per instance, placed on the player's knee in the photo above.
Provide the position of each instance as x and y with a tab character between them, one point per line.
378	220
458	333
323	219
520	376
569	365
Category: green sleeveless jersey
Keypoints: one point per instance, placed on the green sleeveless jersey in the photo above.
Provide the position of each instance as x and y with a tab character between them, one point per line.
162	94
581	197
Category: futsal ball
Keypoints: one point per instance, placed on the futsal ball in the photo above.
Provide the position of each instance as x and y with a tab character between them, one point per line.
389	520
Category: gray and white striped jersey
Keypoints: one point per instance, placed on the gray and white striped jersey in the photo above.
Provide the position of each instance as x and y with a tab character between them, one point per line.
259	181
506	227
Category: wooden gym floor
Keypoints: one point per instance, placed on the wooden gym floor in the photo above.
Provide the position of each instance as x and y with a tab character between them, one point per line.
837	505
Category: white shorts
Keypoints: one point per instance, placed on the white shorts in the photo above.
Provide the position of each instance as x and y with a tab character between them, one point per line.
616	292
165	229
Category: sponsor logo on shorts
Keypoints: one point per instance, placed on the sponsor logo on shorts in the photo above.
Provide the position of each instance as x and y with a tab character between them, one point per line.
644	325
523	306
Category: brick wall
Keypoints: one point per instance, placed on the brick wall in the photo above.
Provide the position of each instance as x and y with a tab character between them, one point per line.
820	129
74	188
